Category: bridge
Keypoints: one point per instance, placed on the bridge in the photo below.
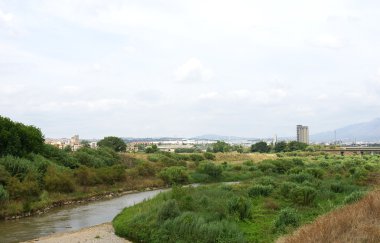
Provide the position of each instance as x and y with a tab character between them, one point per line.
353	150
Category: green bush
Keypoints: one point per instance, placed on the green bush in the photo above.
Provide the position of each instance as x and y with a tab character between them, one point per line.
354	197
168	210
286	188
210	169
174	175
58	181
301	177
260	190
209	156
287	217
303	195
196	157
3	194
146	169
337	187
240	206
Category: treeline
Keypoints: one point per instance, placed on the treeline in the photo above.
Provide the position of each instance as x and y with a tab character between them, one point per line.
282	146
18	139
31	170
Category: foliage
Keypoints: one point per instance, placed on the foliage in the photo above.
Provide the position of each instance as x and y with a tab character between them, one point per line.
240	206
58	180
18	139
3	194
261	147
209	156
210	169
168	210
115	143
221	146
287	217
151	149
174	175
260	190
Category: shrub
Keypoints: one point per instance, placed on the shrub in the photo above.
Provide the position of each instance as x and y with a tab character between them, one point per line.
260	190
210	169
337	187
286	188
18	167
168	210
196	157
303	195
58	181
174	175
86	176
146	169
317	173
354	197
110	175
287	217
240	206
209	156
3	194
301	177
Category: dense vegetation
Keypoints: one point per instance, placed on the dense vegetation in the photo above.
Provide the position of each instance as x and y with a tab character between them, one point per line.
283	194
34	175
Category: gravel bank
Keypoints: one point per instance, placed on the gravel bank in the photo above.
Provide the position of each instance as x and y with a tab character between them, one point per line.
101	233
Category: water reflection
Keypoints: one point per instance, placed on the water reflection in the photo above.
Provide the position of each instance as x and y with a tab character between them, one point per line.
68	218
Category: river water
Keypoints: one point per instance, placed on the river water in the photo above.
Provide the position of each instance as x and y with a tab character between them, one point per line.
69	218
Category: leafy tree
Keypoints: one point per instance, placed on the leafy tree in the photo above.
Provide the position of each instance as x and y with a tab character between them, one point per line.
280	147
221	146
261	147
18	139
294	146
85	143
151	149
174	175
115	143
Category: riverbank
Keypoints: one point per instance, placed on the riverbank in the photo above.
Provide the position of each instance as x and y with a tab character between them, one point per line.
80	200
102	233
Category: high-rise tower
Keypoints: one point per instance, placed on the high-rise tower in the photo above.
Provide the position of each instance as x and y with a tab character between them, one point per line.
303	134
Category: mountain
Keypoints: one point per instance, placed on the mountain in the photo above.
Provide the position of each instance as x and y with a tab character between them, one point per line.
220	137
365	131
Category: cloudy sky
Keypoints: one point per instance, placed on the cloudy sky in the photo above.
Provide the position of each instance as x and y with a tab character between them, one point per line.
186	68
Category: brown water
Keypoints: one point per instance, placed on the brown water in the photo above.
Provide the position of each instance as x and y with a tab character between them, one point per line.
68	218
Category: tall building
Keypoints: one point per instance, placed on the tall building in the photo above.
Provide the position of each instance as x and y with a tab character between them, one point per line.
303	134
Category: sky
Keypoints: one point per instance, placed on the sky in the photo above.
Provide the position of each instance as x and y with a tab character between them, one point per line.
186	68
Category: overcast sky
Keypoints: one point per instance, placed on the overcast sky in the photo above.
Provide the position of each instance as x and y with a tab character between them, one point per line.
186	68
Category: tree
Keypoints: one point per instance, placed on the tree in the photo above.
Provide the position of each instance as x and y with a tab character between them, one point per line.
294	146
151	149
115	143
261	147
85	143
221	146
18	139
280	147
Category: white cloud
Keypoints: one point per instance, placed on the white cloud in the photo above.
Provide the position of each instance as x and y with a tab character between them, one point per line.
193	71
327	41
71	89
6	18
209	95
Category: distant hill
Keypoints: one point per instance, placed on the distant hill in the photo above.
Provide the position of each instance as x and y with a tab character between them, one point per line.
220	137
366	131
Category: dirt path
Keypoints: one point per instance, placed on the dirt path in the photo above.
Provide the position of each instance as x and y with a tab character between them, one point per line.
101	233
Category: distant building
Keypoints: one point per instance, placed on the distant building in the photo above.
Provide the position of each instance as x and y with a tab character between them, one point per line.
303	134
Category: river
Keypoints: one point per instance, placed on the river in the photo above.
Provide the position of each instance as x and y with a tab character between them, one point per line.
69	218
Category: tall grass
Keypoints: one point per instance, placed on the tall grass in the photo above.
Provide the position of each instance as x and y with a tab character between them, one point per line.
358	222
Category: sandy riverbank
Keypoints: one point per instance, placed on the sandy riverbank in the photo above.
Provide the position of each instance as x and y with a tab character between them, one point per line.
101	233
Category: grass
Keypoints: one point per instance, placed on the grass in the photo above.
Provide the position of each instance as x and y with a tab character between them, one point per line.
357	222
278	196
